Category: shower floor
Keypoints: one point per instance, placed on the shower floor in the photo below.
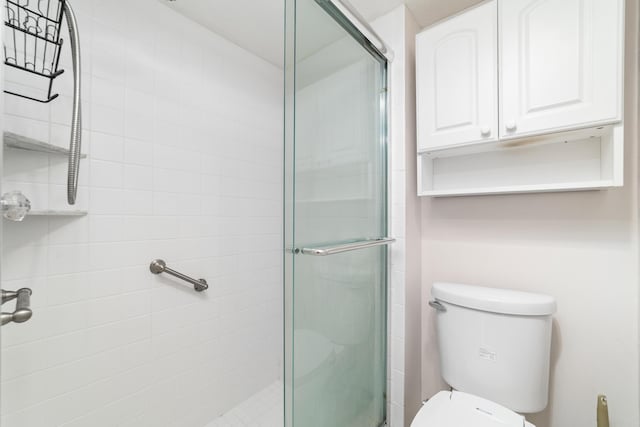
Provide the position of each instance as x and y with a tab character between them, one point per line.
263	409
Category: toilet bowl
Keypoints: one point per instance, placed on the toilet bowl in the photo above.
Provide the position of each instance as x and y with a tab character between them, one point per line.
458	409
494	346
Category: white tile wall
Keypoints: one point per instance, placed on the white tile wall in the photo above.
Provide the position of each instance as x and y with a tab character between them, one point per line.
183	132
264	409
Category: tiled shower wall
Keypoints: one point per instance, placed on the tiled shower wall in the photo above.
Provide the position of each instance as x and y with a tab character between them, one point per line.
184	142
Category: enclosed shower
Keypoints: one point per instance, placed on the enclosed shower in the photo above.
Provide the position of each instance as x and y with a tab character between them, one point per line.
195	225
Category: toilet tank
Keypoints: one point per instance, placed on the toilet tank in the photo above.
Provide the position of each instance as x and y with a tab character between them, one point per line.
495	343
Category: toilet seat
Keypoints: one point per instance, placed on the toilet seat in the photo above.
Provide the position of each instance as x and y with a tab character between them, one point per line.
458	409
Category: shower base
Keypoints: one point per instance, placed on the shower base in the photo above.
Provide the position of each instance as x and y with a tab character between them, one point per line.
263	409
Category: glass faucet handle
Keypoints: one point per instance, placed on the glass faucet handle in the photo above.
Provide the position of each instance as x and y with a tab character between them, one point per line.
15	206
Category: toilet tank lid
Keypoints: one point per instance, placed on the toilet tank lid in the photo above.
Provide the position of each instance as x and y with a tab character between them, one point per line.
503	301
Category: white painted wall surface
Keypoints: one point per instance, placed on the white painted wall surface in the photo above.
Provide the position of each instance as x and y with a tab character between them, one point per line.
581	248
184	135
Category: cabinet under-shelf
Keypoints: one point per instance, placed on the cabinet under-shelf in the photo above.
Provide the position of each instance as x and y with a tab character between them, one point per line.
19	142
586	159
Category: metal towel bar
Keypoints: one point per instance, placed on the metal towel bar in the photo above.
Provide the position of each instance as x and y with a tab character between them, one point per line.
353	246
158	266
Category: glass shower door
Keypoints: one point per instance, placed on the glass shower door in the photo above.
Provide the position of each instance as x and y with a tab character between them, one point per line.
336	222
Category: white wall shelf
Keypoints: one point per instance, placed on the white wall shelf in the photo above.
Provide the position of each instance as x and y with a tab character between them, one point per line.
588	159
57	213
19	142
26	144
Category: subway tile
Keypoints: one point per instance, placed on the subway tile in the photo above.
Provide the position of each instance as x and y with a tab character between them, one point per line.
26	166
105	228
109	46
65	259
137	202
106	201
107	93
16	235
103	256
106	147
58	197
52	351
139	103
106	282
25	108
118	333
25	262
68	230
30	128
106	174
109	120
66	288
138	152
138	126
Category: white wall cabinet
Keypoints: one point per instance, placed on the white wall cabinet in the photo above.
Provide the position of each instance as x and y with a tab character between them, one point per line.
458	84
560	64
503	84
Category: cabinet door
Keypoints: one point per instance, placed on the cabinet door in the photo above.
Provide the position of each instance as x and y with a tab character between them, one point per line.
561	64
457	79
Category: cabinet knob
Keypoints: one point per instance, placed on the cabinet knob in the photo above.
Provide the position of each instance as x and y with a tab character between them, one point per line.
485	131
511	126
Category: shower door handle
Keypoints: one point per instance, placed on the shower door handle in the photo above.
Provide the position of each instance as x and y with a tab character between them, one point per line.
23	311
346	247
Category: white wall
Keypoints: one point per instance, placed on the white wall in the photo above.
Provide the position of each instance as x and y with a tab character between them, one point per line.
184	135
581	248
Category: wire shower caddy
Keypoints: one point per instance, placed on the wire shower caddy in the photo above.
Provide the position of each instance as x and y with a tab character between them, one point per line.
33	43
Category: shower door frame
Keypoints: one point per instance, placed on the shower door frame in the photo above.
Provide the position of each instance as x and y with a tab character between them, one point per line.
355	25
1	178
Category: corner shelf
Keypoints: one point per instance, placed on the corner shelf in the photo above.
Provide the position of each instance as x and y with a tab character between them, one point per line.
57	213
19	142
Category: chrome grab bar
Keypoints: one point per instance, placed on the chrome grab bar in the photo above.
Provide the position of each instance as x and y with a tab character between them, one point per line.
353	246
76	118
158	266
23	311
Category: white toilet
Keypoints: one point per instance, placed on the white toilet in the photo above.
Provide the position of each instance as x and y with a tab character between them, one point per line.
494	351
